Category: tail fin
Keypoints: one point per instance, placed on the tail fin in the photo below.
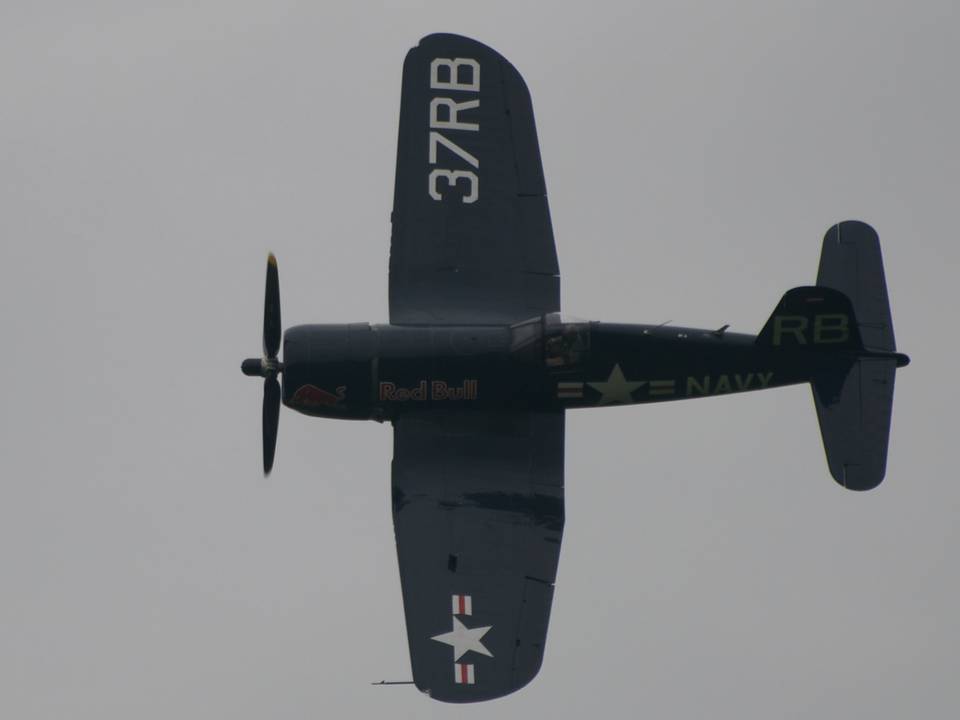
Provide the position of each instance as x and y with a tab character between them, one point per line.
854	406
815	317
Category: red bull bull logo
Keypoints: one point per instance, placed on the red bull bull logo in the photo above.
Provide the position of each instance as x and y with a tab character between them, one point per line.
312	396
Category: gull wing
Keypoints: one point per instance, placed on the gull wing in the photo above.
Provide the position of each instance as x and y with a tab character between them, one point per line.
472	241
478	517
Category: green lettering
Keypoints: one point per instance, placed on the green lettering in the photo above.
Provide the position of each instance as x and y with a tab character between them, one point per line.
833	328
794	325
694	387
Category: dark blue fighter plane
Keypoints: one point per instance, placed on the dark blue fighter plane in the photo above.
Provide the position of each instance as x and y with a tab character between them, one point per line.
477	367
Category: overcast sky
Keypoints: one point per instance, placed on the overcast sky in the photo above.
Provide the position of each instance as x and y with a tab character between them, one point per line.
695	153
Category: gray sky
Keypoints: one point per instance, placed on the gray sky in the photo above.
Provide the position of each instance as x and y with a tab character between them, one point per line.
695	152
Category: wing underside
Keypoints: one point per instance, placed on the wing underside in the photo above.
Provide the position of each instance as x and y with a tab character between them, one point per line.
478	516
472	241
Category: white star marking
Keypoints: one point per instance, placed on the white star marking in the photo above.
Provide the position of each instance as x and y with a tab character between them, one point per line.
616	389
463	639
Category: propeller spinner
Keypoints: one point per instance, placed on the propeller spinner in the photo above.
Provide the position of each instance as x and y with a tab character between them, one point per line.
268	367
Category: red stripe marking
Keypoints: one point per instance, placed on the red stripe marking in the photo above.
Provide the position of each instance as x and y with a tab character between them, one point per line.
463	672
463	604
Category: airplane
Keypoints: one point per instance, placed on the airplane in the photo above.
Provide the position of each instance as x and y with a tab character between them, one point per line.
477	367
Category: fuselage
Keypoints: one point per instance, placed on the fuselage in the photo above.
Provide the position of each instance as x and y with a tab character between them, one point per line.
363	371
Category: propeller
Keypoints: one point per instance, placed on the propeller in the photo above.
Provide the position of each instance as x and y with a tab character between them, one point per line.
268	367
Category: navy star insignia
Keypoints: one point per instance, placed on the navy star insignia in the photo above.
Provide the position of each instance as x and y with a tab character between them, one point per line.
616	388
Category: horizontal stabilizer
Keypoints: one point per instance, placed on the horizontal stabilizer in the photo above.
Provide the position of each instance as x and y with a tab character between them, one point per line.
854	417
851	263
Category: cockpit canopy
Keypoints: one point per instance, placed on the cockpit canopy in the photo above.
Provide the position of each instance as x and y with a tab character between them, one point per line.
561	342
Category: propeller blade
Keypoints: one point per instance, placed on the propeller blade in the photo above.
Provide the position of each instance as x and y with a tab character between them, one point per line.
271	311
271	419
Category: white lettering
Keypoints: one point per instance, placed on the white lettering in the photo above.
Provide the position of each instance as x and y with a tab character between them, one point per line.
452	176
453	72
438	139
453	111
463	75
